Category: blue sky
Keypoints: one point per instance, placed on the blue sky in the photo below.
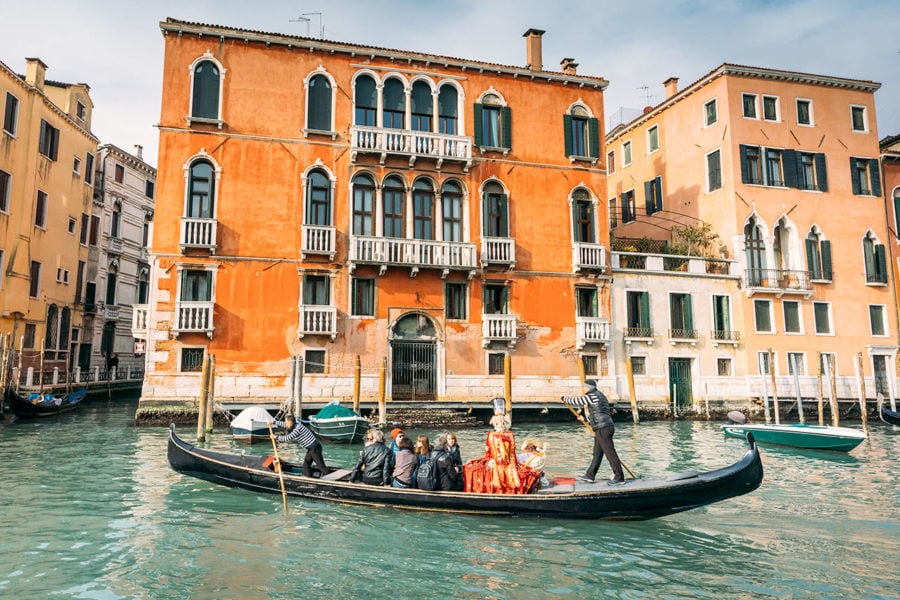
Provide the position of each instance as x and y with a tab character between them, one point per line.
116	47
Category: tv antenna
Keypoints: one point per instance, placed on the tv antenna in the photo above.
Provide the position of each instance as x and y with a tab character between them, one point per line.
307	18
646	93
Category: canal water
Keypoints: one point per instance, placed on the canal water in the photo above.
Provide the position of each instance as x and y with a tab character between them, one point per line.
89	508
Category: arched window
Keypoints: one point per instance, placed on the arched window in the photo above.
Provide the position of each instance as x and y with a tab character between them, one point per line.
363	205
52	337
366	101
582	133
448	110
393	198
394	109
201	191
452	208
583	216
318	199
755	249
422	107
143	285
875	260
423	210
207	83
493	123
111	280
818	255
495	210
319	100
115	221
897	211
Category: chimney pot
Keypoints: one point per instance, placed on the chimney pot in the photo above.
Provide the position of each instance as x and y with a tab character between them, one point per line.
35	72
139	151
671	86
569	66
533	53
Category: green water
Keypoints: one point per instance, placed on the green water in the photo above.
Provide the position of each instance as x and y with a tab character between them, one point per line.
90	509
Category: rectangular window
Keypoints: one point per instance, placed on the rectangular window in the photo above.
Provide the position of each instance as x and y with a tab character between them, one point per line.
89	168
751	165
822	312
713	171
804	112
749	103
49	142
362	302
30	335
629	210
865	176
653	195
858	118
314	361
34	289
80	111
586	302
73	225
120	174
40	210
876	319
637	314
11	114
796	363
79	280
791	316
613	213
611	162
95	230
192	360
149	189
62	276
76	166
762	310
496	299
710	113
653	139
774	167
626	154
722	318
723	367
681	318
496	361
316	290
85	226
455	295
763	363
591	364
770	108
638	365
5	186
807	171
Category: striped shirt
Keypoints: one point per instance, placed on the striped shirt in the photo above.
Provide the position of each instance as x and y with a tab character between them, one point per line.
301	434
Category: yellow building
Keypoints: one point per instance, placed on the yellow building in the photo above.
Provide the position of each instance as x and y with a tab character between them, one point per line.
783	166
47	154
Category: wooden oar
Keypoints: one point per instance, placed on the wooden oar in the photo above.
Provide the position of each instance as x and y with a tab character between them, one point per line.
591	430
278	467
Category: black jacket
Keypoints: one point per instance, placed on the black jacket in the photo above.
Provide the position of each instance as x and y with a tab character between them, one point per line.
448	478
379	465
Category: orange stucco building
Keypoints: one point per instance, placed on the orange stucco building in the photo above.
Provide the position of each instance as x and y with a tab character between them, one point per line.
783	167
326	200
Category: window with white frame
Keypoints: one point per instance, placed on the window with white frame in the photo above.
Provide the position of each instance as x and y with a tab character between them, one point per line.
710	113
859	120
804	112
818	256
638	365
362	300
792	321
723	367
822	315
319	102
314	361
493	123
192	360
771	110
206	88
456	301
653	139
76	166
40	210
796	363
581	133
762	311
629	208
865	176
5	187
591	364
763	362
877	323
748	102
626	154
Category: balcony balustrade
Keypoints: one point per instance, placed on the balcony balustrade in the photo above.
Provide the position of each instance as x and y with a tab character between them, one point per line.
198	233
498	328
410	144
778	281
591	330
724	336
666	263
588	256
110	313
498	250
318	239
140	321
115	245
415	254
194	317
317	320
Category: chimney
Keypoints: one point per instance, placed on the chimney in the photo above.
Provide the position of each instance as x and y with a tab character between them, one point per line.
535	61
671	86
569	66
34	73
139	151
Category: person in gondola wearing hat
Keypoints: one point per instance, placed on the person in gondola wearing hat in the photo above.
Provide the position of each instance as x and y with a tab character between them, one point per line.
498	471
600	420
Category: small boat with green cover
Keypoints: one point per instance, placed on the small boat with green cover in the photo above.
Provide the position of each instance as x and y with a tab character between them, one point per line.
336	423
797	435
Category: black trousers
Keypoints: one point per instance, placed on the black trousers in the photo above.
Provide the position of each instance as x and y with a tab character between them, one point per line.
314	454
603	444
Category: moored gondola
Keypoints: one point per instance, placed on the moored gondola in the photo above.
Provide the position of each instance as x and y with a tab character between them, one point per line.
44	405
642	498
890	416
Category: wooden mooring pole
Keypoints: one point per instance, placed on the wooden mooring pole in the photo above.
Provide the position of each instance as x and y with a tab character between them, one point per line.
831	365
507	383
211	393
863	414
357	372
201	400
382	409
629	371
819	391
774	388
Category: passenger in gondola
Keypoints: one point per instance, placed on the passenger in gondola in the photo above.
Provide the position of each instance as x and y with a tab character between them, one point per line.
303	435
376	462
448	479
405	463
423	448
533	455
396	434
498	471
453	451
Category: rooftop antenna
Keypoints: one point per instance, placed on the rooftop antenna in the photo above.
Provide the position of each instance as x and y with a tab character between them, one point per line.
647	95
307	18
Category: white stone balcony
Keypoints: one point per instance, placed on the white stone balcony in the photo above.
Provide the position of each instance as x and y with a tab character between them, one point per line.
198	233
415	254
498	251
588	256
317	320
498	328
591	330
317	239
193	317
140	321
110	313
410	144
115	245
673	264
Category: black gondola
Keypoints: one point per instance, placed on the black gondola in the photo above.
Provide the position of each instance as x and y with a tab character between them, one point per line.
890	416
642	498
44	405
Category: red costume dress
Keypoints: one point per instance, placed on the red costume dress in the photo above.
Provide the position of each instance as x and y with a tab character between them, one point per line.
498	471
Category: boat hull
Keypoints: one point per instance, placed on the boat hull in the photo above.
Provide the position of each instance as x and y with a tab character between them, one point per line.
812	437
890	416
346	430
637	499
46	405
252	435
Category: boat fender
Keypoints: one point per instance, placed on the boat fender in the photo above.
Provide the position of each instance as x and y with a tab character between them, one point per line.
269	462
737	417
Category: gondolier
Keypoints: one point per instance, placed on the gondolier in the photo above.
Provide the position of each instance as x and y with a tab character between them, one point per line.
300	433
600	420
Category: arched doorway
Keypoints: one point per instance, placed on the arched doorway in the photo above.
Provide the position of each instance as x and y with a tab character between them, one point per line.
413	350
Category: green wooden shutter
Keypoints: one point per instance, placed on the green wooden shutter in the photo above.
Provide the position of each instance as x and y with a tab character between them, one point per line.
825	247
853	180
745	167
688	314
880	263
506	126
645	310
505	309
648	197
897	215
567	133
821	173
624	203
869	253
659	194
504	215
791	163
478	125
875	176
594	134
811	263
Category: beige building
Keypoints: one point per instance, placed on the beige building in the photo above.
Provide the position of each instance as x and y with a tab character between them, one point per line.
47	156
783	167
